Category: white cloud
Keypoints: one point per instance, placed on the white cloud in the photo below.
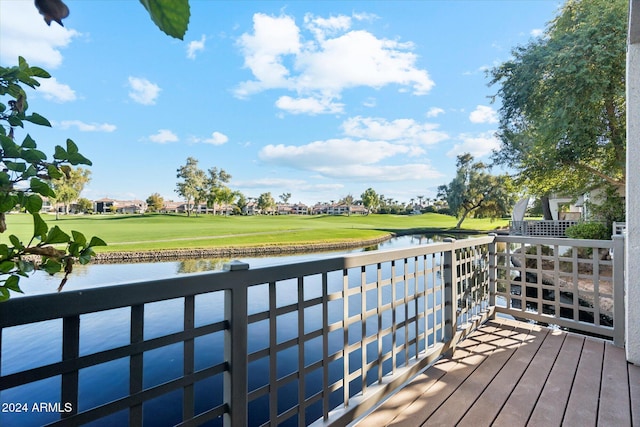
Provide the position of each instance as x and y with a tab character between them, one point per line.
334	58
382	173
477	145
53	90
163	136
322	27
87	127
216	138
537	32
405	131
310	106
23	32
143	91
195	46
434	112
483	114
347	158
342	152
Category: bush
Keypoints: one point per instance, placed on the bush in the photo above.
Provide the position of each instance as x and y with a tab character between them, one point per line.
589	230
445	211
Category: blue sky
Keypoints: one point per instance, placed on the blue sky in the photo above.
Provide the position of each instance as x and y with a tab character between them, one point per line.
319	99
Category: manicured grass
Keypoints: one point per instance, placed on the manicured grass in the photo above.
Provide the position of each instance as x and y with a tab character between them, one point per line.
155	232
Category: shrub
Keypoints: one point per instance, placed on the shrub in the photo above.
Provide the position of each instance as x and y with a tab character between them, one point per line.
589	230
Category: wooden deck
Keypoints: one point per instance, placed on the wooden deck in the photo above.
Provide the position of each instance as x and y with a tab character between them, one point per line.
511	373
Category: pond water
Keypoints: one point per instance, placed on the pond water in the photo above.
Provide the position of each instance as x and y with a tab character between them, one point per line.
29	346
93	275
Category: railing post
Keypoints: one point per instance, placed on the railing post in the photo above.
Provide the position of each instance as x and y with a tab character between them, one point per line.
618	291
450	297
70	351
235	352
493	266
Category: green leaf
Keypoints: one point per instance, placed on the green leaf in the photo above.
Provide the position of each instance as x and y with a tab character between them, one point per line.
74	249
54	172
6	266
37	119
60	153
51	266
15	121
4	251
39	72
33	156
72	148
78	159
79	238
10	148
8	202
28	142
16	242
31	171
56	235
12	283
85	256
33	203
171	16
40	227
16	167
25	267
41	187
4	294
96	241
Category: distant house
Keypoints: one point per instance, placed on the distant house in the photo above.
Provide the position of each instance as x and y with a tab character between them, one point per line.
107	205
300	209
103	205
251	209
283	209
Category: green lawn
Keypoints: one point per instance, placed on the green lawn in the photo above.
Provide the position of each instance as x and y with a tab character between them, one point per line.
151	232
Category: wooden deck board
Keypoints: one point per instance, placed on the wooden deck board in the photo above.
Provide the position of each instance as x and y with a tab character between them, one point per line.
463	398
582	409
550	407
516	374
486	408
613	409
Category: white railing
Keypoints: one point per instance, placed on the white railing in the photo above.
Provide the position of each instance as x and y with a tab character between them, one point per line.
540	228
319	341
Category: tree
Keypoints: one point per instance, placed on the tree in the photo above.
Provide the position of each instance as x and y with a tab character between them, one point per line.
193	184
266	202
85	205
562	119
285	197
69	187
241	202
477	192
25	179
225	195
216	189
370	200
155	202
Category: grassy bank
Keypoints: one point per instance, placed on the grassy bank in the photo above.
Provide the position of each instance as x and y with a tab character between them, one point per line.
158	232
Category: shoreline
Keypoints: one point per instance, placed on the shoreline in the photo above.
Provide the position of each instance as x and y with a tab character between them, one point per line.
223	252
268	250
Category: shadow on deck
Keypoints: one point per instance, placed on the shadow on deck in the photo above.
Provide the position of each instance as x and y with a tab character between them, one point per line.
509	373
